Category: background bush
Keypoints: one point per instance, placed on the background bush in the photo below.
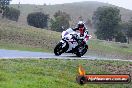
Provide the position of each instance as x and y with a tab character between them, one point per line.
38	19
60	22
11	13
120	38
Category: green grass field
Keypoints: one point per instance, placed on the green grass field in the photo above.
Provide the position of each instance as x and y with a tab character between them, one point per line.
53	73
110	49
22	37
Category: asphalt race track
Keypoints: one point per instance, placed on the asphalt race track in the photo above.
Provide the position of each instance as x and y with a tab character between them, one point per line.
16	54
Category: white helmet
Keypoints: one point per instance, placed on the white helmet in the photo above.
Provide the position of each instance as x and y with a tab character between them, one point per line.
80	24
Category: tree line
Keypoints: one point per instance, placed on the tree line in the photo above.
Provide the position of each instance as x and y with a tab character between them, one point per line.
106	20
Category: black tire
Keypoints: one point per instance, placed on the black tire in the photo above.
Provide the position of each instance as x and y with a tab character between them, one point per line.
79	54
59	50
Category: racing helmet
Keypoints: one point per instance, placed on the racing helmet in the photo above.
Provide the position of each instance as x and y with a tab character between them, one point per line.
80	24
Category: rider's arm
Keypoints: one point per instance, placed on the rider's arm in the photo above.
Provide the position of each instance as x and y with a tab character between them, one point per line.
75	29
86	36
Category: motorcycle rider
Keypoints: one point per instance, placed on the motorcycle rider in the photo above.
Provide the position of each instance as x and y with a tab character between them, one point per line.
82	29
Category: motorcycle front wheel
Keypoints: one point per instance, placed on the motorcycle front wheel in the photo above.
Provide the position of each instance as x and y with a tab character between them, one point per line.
59	49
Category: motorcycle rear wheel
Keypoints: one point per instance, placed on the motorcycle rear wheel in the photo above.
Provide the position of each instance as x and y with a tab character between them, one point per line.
79	54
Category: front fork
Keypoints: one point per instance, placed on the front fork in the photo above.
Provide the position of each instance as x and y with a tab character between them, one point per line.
63	43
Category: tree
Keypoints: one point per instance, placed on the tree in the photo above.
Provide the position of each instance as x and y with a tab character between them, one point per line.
62	14
60	22
127	29
105	20
4	4
11	14
120	37
129	32
38	19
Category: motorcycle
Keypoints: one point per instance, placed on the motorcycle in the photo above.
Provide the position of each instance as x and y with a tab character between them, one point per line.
70	43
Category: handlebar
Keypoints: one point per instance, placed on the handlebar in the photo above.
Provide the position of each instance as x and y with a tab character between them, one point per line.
75	37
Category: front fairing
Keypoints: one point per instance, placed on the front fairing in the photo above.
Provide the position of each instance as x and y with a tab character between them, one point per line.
66	32
70	40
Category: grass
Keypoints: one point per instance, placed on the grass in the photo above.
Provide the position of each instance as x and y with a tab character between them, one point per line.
111	46
21	37
116	49
14	46
53	73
